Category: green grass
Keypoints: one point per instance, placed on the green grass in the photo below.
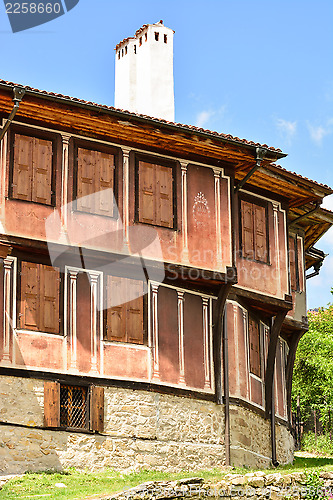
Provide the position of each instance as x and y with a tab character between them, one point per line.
321	444
80	485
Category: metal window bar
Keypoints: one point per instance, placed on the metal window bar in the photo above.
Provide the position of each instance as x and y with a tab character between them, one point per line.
74	407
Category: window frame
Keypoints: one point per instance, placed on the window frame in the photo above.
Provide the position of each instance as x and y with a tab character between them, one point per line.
101	148
95	401
38	134
253	317
297	263
46	262
145	313
261	203
163	163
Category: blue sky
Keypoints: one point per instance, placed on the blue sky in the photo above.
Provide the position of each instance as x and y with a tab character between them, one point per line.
260	70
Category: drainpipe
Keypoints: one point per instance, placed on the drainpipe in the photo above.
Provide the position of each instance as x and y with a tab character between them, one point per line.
226	390
273	435
18	96
301	217
260	156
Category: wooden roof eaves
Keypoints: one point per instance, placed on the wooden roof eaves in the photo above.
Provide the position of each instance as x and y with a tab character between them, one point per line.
272	154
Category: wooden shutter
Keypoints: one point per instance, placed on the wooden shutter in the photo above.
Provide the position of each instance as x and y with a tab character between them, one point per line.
52	404
97	409
247	229
125	321
30	299
292	263
23	167
42	171
254	340
260	236
116	316
134	312
164	201
39	308
85	180
49	296
147	193
104	201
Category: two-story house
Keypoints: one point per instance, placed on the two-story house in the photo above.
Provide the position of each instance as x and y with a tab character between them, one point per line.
153	285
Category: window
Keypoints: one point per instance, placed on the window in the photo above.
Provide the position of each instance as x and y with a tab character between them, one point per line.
157	35
254	231
155	194
254	345
124	321
95	175
74	407
165	38
32	169
39	298
294	278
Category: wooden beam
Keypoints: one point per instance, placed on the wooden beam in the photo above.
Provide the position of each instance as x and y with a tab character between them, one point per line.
274	336
293	343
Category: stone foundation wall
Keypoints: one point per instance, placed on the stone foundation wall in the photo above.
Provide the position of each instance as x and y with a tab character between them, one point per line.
141	429
250	438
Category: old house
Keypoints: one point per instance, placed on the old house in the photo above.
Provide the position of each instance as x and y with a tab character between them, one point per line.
153	280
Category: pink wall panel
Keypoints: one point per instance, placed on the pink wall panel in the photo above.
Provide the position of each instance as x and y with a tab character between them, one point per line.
34	350
127	362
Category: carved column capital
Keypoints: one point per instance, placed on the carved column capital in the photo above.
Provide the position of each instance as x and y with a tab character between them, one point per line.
65	138
126	151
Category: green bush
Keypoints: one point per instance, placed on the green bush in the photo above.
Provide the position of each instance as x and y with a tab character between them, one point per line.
321	444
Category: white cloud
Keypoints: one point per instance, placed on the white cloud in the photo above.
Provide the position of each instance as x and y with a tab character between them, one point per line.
203	117
328	202
317	133
206	116
286	128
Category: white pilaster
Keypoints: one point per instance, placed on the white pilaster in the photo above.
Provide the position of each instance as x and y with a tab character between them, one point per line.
8	320
156	367
94	279
72	318
180	296
183	166
217	181
126	153
205	324
64	180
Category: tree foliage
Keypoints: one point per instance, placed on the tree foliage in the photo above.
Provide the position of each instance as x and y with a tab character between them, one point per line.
313	372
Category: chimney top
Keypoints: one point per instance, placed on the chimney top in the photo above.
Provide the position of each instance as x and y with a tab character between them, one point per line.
144	72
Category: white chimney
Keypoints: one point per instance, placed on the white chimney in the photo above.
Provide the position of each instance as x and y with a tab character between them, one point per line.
144	72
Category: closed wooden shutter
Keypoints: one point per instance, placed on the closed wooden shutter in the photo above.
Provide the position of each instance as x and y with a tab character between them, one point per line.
42	172
95	175
23	167
134	312
39	308
104	202
116	316
85	180
51	404
254	340
125	321
97	409
260	239
247	229
30	299
147	193
292	263
164	200
49	283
